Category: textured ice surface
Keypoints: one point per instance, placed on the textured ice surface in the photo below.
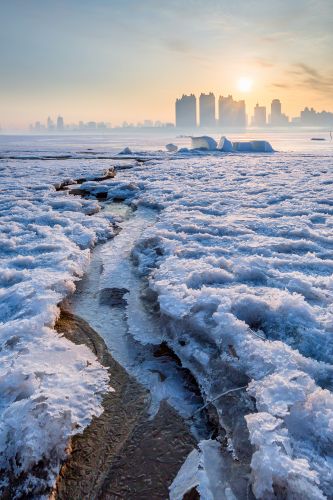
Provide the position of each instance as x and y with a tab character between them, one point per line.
50	388
241	261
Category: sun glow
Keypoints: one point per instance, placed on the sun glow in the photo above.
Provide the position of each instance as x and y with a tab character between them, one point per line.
245	84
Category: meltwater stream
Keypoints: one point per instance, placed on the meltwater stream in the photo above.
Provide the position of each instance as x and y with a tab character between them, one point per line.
109	299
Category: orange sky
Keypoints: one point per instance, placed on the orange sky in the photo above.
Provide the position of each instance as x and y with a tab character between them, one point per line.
128	60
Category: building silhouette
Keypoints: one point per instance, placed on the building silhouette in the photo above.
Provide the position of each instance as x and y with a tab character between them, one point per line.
259	116
186	111
207	110
50	124
310	117
278	119
231	113
60	123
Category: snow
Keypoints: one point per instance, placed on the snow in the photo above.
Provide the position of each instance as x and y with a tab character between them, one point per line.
240	262
50	388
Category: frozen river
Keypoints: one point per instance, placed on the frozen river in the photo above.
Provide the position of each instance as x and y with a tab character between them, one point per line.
235	254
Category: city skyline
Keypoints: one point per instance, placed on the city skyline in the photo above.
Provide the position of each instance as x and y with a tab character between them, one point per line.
94	61
209	111
205	112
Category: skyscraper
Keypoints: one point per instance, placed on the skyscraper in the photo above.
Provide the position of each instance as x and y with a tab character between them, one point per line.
231	113
207	110
60	123
259	116
50	124
278	119
186	111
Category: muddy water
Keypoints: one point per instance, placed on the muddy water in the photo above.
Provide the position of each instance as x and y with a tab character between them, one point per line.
136	447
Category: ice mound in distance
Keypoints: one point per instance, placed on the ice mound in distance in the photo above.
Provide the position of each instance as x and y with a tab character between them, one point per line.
126	151
225	145
207	143
252	147
204	142
172	148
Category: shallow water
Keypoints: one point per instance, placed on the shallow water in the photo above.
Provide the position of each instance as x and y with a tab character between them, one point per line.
109	299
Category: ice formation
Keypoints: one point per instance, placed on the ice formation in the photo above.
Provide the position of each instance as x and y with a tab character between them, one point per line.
225	145
50	388
202	471
241	265
252	147
203	142
172	148
126	151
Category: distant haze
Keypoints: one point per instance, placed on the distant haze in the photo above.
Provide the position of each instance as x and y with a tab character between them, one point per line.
116	60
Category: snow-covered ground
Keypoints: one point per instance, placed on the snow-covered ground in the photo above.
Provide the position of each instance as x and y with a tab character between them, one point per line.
240	261
49	387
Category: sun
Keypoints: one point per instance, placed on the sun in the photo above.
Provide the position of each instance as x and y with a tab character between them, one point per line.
245	84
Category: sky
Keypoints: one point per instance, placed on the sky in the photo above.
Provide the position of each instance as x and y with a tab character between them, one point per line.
128	60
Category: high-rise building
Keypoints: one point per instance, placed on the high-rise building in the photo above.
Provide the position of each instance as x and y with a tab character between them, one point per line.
231	113
278	119
310	117
50	124
186	111
259	116
60	123
207	110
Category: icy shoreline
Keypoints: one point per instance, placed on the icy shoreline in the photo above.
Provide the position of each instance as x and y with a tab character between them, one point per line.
239	264
246	297
50	388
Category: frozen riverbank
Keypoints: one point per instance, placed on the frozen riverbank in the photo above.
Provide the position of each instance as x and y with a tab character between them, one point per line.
124	453
237	270
240	265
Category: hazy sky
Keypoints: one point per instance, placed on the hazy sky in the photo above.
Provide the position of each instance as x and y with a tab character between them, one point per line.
118	60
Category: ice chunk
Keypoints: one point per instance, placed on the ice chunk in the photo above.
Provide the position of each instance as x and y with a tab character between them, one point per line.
253	147
126	151
171	147
203	470
204	142
262	146
187	477
244	147
225	145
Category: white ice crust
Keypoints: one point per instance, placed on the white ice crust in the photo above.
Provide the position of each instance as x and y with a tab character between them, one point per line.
241	262
50	388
